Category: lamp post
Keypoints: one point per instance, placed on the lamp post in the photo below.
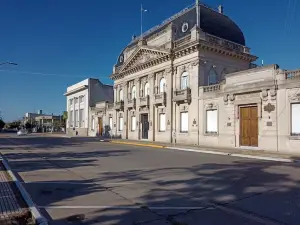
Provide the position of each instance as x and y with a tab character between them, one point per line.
9	63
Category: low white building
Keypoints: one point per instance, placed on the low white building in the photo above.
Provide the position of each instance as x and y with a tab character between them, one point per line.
80	98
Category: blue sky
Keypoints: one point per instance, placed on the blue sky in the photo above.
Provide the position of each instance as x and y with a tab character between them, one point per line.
59	42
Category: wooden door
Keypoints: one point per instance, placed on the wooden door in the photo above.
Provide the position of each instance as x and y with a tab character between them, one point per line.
248	126
100	126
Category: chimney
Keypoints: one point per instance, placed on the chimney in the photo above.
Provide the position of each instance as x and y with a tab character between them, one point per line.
221	9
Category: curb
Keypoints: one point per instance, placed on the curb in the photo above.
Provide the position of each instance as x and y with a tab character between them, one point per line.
237	155
39	219
137	144
266	158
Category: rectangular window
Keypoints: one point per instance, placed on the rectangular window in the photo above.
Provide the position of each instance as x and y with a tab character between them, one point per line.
76	119
81	99
71	102
81	118
76	100
93	123
71	122
162	122
110	123
212	121
121	123
133	123
184	122
295	108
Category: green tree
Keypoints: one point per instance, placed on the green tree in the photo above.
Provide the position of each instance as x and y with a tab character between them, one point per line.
65	115
2	124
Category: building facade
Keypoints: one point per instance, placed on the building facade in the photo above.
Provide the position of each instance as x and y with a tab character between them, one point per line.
81	97
192	80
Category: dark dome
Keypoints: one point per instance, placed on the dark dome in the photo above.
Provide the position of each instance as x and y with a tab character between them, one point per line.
211	22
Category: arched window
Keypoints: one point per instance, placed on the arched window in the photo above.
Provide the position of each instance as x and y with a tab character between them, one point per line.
212	77
162	85
133	92
121	95
184	80
147	89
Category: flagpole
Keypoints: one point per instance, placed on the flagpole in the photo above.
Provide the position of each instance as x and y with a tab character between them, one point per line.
141	21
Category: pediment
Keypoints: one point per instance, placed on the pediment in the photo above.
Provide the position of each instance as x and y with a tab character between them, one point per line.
141	56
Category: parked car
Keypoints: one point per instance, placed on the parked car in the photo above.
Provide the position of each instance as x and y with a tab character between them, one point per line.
22	132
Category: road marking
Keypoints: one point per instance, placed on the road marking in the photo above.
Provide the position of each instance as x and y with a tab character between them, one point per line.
123	207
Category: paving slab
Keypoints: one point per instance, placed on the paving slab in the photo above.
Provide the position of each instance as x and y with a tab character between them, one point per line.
12	205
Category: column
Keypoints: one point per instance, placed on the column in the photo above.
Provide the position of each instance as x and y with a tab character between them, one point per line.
138	127
125	114
151	108
169	89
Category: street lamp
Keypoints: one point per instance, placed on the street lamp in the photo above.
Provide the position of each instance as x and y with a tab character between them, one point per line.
10	63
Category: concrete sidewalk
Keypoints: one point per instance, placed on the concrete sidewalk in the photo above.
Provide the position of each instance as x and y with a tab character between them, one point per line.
236	152
13	209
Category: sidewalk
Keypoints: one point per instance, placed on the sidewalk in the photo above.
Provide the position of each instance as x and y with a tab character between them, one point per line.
236	152
13	209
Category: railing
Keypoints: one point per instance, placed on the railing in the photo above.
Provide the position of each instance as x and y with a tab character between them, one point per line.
212	88
226	44
182	95
292	74
182	41
110	105
119	105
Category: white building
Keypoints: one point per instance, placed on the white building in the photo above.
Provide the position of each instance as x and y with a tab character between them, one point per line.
80	98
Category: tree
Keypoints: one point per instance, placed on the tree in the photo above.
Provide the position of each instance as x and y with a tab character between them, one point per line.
65	115
2	124
65	118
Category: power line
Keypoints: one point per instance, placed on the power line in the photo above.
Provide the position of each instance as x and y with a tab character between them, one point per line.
49	74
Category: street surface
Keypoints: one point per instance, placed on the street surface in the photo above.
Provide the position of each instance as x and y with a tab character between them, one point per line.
84	181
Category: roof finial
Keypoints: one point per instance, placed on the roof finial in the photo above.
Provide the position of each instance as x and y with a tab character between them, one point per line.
221	9
198	13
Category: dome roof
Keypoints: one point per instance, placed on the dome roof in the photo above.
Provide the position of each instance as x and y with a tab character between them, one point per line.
211	22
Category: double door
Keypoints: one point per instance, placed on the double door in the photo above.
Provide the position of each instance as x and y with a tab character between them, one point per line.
249	126
144	126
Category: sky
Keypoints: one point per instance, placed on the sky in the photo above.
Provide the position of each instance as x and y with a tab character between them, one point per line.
57	43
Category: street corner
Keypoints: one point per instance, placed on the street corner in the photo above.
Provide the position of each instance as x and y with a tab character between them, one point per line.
137	144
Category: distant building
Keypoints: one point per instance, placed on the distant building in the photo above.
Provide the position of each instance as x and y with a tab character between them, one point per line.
30	116
81	97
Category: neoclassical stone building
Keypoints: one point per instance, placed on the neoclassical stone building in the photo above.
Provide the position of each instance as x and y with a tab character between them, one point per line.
192	80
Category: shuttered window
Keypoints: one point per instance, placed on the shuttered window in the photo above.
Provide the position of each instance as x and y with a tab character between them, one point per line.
295	108
184	122
133	123
121	123
162	122
212	121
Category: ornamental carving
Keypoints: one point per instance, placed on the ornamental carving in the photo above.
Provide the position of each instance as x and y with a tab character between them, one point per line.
264	95
247	96
169	70
273	94
269	108
195	63
184	108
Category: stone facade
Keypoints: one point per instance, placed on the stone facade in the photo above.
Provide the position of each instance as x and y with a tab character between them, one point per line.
179	83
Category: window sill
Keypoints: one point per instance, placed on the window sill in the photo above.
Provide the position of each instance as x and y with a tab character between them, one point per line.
161	131
184	132
295	137
211	134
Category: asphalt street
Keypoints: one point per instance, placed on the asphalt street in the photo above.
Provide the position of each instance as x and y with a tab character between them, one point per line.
84	181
